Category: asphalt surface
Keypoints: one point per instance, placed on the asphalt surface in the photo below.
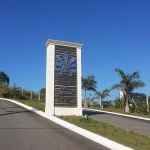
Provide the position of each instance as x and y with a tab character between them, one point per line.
21	129
133	124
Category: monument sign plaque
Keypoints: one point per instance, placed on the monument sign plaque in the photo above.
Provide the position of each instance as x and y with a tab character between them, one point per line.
65	76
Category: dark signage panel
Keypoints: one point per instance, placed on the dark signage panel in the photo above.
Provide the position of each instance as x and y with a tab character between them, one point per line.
65	83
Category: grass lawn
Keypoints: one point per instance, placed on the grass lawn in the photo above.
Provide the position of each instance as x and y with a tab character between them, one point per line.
36	104
127	138
117	110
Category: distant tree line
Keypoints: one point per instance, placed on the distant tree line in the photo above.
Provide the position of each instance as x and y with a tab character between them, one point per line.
130	101
16	92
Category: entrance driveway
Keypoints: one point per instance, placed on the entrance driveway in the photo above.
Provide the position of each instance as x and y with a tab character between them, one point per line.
127	123
21	129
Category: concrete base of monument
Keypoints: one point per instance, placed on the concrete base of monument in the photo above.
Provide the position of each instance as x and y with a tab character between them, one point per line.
49	111
64	111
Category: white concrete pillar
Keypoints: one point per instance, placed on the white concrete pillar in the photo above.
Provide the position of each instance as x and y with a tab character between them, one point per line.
79	83
50	62
72	106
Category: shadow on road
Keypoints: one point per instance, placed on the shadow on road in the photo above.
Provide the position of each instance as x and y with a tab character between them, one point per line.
10	107
14	112
90	113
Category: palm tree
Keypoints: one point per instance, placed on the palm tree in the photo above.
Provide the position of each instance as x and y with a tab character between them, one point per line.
128	83
101	96
88	83
92	100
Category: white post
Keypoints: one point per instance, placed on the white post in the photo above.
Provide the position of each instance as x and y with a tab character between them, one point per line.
31	95
147	103
39	96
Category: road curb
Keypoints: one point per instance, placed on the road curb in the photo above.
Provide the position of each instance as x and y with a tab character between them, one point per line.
108	112
90	135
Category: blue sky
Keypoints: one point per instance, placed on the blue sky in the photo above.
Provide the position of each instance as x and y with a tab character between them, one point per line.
114	34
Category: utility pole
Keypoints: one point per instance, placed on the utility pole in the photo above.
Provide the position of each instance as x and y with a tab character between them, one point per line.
22	93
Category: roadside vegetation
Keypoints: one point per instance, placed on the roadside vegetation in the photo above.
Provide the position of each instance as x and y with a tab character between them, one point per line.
16	92
127	138
130	102
33	103
30	98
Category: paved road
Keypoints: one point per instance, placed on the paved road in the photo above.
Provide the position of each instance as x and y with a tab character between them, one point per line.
21	129
136	125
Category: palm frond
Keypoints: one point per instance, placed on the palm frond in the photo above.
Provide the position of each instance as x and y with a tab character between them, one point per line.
98	94
102	94
136	84
116	86
89	83
135	75
121	73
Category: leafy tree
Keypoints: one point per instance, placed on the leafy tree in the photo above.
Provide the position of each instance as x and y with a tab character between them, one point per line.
88	83
4	82
101	96
43	90
4	79
4	90
127	84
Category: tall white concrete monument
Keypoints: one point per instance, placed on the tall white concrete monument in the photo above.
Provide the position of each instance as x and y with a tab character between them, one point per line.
63	78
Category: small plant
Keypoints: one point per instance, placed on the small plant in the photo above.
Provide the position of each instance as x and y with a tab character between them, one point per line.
86	117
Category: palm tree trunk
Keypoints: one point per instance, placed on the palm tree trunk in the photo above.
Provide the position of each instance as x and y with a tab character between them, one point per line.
101	103
85	102
127	104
